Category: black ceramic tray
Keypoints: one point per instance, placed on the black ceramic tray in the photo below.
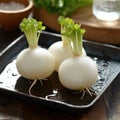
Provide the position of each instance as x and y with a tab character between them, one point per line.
52	93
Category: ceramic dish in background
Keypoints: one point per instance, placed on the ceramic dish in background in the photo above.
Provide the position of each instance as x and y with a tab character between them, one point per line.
11	18
96	30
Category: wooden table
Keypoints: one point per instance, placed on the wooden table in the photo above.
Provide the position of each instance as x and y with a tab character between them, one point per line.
11	108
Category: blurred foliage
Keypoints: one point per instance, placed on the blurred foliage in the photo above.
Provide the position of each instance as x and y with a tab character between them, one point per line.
62	7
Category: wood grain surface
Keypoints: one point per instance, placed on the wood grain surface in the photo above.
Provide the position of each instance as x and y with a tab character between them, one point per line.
13	109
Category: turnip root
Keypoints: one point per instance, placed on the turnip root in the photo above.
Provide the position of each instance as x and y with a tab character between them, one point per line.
78	73
35	63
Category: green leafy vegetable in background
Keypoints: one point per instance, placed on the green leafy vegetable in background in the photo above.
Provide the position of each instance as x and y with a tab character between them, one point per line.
62	7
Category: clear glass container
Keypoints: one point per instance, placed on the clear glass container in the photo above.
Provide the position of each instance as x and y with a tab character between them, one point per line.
107	10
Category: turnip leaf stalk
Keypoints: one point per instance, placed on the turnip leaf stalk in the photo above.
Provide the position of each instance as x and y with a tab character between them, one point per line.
66	24
73	33
32	29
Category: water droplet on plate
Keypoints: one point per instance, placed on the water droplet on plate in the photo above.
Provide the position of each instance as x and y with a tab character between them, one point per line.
95	59
13	74
55	91
1	82
105	63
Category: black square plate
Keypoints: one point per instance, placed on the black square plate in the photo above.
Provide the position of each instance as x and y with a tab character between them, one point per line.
52	93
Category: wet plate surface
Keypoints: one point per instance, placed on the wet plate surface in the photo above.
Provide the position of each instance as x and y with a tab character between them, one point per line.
52	93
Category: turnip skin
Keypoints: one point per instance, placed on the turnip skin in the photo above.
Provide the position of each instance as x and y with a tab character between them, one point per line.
35	63
61	52
78	73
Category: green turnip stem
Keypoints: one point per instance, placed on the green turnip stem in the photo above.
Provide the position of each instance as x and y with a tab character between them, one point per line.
32	38
76	44
71	35
32	29
65	39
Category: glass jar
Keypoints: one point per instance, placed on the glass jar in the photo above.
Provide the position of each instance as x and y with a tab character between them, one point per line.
107	10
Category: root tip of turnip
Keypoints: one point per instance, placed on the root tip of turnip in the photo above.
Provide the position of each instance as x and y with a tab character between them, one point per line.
32	85
30	88
90	91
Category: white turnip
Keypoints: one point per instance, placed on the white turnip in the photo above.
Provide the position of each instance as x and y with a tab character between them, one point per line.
78	72
34	62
